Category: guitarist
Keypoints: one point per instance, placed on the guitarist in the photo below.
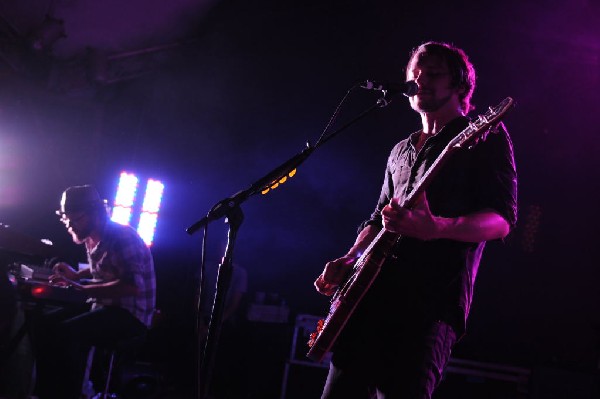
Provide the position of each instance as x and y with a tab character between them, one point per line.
399	338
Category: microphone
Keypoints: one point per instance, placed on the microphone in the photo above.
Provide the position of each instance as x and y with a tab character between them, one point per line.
409	88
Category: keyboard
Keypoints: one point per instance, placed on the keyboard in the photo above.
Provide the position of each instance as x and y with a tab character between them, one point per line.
35	290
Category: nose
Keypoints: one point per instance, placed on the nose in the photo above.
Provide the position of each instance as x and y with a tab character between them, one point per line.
66	221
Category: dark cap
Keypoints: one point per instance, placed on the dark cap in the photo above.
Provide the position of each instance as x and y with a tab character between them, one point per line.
78	199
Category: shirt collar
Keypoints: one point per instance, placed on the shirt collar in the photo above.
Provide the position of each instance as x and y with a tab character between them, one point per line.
454	126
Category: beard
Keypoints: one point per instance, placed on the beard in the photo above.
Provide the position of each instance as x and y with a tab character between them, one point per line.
79	235
430	104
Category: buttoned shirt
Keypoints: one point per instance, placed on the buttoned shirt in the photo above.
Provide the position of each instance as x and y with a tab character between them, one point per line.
122	254
435	279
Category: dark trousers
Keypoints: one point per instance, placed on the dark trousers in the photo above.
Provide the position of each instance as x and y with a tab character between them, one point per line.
404	362
63	340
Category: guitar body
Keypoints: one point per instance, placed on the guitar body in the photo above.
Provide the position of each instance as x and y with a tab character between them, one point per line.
367	268
349	295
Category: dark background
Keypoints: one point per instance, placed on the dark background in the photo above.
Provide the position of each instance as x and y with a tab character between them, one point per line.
208	96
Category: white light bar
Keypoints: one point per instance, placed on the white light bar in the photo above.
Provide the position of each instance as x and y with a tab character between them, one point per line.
125	198
151	206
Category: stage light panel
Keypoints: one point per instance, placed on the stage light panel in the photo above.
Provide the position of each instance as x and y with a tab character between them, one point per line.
147	227
153	196
124	209
125	198
150	208
121	215
128	184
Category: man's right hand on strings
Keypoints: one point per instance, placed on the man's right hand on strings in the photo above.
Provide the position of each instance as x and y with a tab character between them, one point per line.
333	274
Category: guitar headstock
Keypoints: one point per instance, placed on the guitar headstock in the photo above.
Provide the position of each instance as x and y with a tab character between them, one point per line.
483	124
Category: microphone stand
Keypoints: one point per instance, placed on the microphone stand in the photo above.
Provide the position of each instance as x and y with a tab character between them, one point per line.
230	209
206	363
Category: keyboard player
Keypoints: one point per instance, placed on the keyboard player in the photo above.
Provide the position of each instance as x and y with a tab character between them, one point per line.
121	281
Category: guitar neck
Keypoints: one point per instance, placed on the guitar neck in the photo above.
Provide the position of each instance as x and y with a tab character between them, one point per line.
426	179
385	239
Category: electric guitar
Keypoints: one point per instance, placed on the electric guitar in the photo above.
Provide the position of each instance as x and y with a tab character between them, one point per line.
367	267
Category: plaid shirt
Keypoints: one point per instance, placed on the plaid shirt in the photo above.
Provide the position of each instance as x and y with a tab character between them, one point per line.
122	254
